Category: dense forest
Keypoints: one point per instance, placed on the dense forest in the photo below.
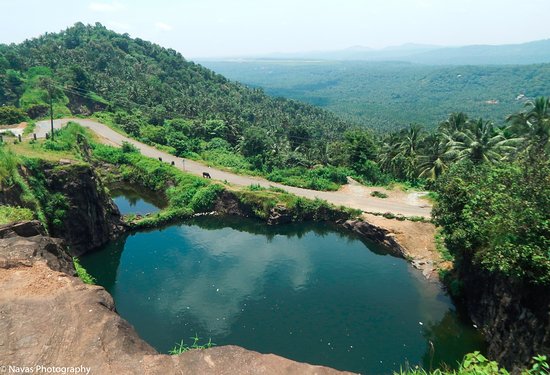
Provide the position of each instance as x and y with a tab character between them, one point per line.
391	95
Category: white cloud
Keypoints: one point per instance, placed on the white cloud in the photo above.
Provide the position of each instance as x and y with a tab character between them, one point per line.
105	7
163	26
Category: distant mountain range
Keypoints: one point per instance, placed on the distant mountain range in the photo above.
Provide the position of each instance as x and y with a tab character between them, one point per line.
525	53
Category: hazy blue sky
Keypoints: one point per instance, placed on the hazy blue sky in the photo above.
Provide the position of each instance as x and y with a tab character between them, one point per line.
204	28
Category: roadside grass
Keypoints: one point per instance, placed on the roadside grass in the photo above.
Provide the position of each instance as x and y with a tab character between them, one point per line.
35	149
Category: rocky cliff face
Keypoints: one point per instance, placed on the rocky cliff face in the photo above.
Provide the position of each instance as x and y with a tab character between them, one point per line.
51	319
514	316
91	218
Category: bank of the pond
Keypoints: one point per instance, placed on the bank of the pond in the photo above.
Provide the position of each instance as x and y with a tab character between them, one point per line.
310	292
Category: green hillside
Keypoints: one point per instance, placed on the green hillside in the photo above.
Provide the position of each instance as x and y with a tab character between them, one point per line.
392	95
156	95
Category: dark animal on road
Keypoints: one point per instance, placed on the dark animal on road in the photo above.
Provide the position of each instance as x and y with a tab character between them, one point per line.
206	175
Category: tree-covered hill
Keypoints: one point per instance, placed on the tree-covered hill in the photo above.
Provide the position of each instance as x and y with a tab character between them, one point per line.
145	86
391	95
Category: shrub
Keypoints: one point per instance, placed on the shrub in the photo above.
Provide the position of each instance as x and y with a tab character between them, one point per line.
11	115
204	198
378	194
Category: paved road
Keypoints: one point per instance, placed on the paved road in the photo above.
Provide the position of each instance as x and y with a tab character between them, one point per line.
365	203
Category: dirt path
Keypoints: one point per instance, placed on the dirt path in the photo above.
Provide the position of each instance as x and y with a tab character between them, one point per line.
354	196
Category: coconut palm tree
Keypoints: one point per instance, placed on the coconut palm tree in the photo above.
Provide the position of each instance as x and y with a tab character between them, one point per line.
435	159
456	122
409	147
388	152
481	142
533	124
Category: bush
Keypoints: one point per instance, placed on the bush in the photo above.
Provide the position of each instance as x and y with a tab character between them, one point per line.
378	194
128	148
11	115
499	214
67	138
205	197
321	178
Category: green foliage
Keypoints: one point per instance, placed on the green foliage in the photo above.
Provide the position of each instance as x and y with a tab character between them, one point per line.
8	167
441	248
181	347
477	364
163	99
11	115
319	178
127	147
378	194
540	366
9	214
498	216
82	273
53	206
205	197
67	139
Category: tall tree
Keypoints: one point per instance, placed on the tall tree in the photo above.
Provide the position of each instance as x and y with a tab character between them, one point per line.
481	142
533	124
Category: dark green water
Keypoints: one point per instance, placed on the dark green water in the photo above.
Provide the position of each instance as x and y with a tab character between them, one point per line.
308	292
132	201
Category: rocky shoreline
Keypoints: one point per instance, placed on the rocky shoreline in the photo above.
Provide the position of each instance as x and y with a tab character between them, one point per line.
52	319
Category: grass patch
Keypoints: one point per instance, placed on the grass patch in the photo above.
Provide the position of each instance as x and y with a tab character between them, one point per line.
181	347
82	273
9	214
36	150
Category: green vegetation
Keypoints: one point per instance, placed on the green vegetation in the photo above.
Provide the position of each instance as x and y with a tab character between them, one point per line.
155	95
10	214
190	111
476	364
8	167
378	194
498	216
82	273
11	115
387	96
182	348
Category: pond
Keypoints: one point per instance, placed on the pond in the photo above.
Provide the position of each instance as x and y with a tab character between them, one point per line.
135	200
308	292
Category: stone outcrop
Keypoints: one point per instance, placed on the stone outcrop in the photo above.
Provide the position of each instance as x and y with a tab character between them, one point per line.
22	244
514	315
279	215
50	318
92	219
404	239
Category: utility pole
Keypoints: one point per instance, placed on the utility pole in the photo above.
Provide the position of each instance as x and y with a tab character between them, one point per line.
51	107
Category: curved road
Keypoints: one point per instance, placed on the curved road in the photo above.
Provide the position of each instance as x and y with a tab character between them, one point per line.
362	202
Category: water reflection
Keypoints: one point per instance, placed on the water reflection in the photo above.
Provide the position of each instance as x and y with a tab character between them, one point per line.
308	292
136	200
